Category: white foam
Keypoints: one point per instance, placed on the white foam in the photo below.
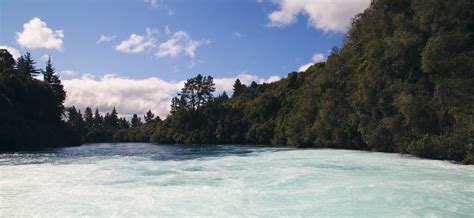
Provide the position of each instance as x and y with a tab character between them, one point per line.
283	183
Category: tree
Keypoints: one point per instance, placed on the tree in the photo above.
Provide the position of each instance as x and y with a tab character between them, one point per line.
7	62
136	121
149	116
98	119
196	92
26	65
74	120
238	87
123	123
88	118
114	120
253	84
54	82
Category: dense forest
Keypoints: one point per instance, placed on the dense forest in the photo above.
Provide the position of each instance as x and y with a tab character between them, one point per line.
401	82
31	110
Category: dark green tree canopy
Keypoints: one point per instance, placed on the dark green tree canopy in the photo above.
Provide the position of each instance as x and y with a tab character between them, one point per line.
26	65
7	62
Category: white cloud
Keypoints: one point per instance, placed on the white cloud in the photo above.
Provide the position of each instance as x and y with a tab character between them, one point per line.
105	38
328	15
45	57
36	34
167	30
13	51
171	12
227	83
131	96
272	79
180	43
304	67
238	35
138	43
317	58
70	73
152	3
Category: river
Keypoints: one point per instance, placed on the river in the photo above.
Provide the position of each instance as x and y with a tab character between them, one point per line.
140	179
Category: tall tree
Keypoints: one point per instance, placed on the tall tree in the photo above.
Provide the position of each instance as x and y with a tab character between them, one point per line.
98	119
136	121
114	120
75	120
54	82
26	65
196	92
7	62
238	87
149	116
88	118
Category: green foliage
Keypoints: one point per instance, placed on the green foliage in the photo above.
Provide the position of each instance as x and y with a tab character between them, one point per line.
402	82
26	65
30	111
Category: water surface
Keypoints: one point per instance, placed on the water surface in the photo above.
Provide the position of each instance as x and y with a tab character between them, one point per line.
147	179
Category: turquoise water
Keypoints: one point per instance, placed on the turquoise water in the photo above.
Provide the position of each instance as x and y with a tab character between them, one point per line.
146	180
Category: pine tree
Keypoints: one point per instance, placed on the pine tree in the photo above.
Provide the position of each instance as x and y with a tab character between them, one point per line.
75	120
136	121
123	123
54	82
114	120
88	118
98	119
196	92
7	62
149	116
238	87
26	65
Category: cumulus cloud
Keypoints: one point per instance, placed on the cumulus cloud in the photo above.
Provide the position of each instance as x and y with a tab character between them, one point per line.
36	34
13	51
70	73
138	43
328	15
105	38
180	43
131	96
317	58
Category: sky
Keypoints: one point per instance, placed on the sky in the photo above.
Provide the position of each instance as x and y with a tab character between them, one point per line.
136	54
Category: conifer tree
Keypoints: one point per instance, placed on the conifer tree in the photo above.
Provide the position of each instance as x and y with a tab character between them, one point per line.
136	121
54	82
26	65
7	62
238	87
149	116
88	118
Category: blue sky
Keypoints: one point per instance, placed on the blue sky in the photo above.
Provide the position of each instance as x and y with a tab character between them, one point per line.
175	40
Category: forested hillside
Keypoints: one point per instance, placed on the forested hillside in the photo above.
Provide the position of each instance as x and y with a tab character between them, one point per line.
403	81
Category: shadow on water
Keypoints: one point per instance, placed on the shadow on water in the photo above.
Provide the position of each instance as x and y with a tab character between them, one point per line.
146	150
